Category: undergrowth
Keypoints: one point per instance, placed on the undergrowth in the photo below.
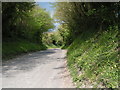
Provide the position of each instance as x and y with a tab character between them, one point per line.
11	49
94	57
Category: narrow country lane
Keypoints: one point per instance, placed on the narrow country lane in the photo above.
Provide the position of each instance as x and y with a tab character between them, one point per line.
42	69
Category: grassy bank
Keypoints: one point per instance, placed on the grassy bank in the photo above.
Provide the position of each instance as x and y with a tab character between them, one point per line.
11	49
94	58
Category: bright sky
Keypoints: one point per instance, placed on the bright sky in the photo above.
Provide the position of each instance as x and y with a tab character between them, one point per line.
48	8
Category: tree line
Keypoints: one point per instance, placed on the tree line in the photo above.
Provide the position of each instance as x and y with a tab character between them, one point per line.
24	20
79	17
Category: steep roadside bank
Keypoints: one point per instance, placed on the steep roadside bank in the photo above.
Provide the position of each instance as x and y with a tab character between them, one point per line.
93	60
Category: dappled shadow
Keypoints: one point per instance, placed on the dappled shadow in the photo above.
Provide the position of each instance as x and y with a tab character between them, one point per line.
61	67
27	62
63	73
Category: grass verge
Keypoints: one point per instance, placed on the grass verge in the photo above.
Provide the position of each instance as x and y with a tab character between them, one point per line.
94	58
11	49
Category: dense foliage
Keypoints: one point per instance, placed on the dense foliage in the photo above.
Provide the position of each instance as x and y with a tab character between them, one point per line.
81	16
23	21
52	39
90	31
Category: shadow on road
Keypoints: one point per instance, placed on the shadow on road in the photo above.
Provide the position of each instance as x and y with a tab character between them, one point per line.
27	62
61	67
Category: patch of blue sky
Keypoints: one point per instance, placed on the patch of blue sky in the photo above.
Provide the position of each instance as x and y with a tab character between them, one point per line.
49	8
46	5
